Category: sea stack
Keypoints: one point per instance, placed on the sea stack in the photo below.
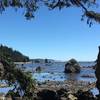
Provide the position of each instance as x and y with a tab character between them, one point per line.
72	66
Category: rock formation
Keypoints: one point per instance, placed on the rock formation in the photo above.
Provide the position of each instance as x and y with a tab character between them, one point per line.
38	69
47	95
72	66
85	95
97	72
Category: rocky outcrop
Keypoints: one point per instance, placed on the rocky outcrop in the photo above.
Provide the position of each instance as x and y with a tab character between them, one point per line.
87	95
97	72
47	95
38	69
63	94
72	66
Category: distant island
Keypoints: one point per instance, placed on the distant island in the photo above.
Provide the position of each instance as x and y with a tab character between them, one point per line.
40	60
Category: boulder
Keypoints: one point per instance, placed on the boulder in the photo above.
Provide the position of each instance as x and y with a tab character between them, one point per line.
72	97
38	69
62	92
85	95
72	66
47	95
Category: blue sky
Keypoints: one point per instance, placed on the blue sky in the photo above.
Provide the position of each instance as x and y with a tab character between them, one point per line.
59	35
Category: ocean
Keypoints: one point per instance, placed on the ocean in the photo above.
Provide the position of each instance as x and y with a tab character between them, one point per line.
55	72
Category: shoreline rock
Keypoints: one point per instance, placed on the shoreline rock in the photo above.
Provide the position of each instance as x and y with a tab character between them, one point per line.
67	90
72	66
71	86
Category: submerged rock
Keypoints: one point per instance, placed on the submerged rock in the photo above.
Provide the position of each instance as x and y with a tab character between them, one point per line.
72	66
38	69
87	76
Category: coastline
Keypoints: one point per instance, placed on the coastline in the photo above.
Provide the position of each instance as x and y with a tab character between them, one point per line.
71	86
61	90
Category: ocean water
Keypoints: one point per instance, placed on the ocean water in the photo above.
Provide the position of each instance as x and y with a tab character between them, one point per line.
5	90
55	72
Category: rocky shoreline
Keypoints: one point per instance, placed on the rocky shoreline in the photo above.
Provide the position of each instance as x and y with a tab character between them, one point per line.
63	90
71	86
67	90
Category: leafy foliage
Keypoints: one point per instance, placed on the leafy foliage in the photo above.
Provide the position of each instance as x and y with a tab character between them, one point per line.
31	6
14	55
21	80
